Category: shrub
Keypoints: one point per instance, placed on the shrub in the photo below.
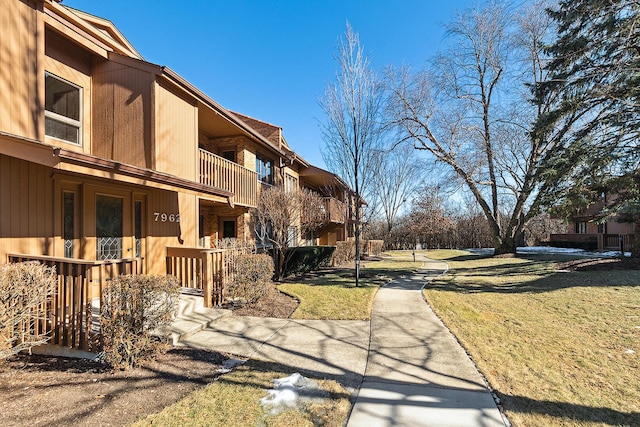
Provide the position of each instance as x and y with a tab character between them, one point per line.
345	252
25	289
134	306
252	275
374	247
302	259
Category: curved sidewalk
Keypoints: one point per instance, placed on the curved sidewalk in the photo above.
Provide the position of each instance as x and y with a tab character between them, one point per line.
417	374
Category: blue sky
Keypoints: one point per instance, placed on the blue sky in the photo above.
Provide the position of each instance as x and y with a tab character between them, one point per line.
273	59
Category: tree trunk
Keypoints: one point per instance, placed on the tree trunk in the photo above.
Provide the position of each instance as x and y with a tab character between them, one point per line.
505	246
635	248
278	263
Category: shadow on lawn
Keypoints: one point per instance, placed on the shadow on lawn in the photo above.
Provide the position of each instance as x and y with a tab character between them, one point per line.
558	272
569	411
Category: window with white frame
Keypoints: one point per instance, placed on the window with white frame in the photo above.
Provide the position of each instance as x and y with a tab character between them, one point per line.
292	237
581	227
290	183
264	233
264	168
62	110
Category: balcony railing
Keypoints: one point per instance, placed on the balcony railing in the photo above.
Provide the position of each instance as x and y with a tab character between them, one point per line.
219	172
335	209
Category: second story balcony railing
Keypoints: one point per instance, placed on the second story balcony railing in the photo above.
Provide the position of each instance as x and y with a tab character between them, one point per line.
217	171
336	210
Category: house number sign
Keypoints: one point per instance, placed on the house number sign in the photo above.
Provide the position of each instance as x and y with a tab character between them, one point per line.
166	217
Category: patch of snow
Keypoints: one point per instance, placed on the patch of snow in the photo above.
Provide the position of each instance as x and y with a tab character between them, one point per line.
553	250
229	364
291	392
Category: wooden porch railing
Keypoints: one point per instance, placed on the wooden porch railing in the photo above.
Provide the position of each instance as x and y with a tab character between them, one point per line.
199	269
613	241
219	172
72	318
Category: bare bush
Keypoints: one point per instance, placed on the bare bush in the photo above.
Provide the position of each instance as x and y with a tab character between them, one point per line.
134	306
251	278
345	252
375	247
25	289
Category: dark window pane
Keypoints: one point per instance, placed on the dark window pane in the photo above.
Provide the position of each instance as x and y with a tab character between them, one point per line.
228	229
108	227
62	98
68	213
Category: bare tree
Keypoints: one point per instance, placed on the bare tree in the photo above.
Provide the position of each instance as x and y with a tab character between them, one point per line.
429	220
398	176
280	215
471	112
353	105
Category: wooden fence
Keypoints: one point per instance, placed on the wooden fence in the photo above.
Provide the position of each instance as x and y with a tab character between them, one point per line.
72	317
594	241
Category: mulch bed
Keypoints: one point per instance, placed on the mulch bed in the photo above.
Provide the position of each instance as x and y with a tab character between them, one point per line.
55	391
274	304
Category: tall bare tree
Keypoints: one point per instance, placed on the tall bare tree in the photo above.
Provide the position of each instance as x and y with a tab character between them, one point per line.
397	178
351	133
471	112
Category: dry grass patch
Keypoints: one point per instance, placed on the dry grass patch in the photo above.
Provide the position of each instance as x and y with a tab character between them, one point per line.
560	348
331	293
234	400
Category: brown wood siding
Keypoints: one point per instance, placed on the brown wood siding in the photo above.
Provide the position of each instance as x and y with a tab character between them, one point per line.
26	204
176	135
165	233
122	114
67	61
21	109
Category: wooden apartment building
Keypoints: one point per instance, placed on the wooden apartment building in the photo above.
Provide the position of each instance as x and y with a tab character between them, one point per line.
108	160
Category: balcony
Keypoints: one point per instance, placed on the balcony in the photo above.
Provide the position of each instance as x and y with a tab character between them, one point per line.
219	172
335	210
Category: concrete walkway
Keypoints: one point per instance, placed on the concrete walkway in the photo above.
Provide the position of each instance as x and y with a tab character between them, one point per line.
409	369
417	374
332	349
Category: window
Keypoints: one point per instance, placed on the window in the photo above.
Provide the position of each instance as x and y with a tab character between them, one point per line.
263	235
108	227
138	227
264	167
69	215
292	237
290	183
229	229
62	110
581	227
310	238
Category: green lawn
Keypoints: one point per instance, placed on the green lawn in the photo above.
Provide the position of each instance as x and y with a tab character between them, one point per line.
559	348
331	294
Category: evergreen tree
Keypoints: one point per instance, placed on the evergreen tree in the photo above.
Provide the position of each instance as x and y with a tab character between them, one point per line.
594	85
